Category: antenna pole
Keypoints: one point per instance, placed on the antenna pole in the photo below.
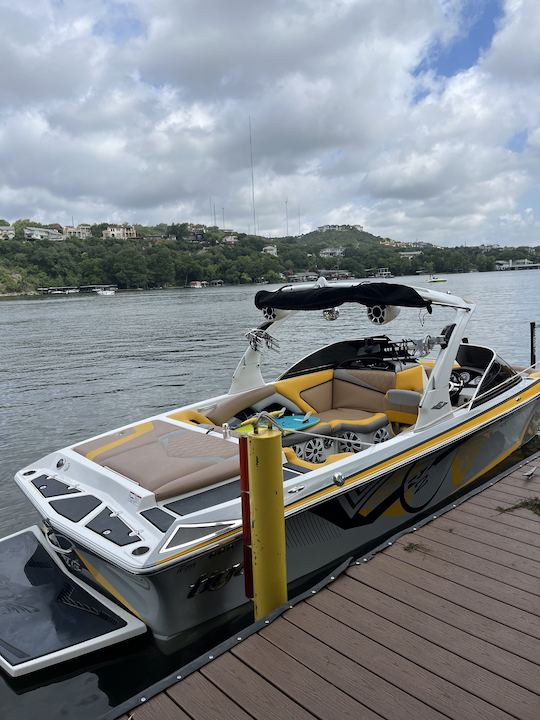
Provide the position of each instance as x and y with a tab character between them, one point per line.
252	175
286	217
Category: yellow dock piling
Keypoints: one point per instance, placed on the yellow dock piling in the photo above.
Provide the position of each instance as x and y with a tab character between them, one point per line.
267	521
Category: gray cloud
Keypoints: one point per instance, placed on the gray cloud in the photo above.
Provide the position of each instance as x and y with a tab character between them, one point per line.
139	111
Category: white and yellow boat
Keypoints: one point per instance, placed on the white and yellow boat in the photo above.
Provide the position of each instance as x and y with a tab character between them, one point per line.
149	515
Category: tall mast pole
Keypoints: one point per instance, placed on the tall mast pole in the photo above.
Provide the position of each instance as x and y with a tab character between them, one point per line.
252	176
286	217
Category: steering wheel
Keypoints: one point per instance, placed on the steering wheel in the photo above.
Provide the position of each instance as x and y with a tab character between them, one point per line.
470	376
455	385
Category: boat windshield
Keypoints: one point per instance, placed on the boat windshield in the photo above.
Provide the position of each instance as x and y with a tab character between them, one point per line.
374	352
497	379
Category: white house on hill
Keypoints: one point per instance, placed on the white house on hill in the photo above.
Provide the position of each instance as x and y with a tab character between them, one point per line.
332	252
119	232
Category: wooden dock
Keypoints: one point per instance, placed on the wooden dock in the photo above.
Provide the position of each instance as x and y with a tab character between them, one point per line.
444	623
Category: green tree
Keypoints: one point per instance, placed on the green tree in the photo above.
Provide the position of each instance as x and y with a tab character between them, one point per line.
129	269
161	268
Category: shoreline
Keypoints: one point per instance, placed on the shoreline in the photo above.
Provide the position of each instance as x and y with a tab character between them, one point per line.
396	278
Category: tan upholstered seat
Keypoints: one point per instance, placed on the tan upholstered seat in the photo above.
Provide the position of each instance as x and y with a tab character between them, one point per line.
339	419
354	399
164	458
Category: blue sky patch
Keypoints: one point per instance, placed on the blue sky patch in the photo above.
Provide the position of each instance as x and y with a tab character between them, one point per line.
518	141
419	94
120	23
478	23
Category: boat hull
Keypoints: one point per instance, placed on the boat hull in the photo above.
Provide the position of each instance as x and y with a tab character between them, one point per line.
196	591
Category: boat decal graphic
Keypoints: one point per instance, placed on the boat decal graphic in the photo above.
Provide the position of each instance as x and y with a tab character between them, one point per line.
216	581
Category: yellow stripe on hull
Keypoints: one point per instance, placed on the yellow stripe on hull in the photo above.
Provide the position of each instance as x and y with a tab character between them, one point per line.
101	580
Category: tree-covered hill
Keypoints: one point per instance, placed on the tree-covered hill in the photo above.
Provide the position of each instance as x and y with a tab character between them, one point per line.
169	255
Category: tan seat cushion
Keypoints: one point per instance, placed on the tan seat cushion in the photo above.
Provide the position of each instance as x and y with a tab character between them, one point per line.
344	414
340	419
164	458
233	404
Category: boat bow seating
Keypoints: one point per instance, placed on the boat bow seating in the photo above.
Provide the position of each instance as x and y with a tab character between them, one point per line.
165	459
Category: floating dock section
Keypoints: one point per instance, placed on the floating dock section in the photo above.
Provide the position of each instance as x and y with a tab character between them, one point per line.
443	623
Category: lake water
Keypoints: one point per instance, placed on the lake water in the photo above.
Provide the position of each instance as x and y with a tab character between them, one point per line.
74	366
71	367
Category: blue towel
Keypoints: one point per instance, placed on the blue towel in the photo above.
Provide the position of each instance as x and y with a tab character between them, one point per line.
296	422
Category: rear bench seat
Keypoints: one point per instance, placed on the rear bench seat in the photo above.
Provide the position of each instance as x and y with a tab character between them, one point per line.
361	400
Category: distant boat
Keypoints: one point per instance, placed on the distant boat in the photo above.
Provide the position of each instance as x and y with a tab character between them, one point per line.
197	284
384	273
107	292
435	278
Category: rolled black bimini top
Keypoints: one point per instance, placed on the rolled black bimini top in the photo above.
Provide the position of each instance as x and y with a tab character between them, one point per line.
329	296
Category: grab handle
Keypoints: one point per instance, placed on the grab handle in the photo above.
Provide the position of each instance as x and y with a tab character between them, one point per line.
49	534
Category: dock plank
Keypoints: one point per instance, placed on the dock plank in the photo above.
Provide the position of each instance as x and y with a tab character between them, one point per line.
523	482
407	669
494	525
160	707
520	482
480	549
250	690
423	558
511	519
507	497
480	566
202	700
472	600
493	539
333	662
492	657
296	680
468	620
437	660
480	500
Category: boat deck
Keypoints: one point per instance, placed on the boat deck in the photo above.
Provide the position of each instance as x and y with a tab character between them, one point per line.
444	623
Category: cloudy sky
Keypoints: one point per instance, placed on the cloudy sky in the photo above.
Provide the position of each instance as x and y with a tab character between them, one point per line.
416	118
